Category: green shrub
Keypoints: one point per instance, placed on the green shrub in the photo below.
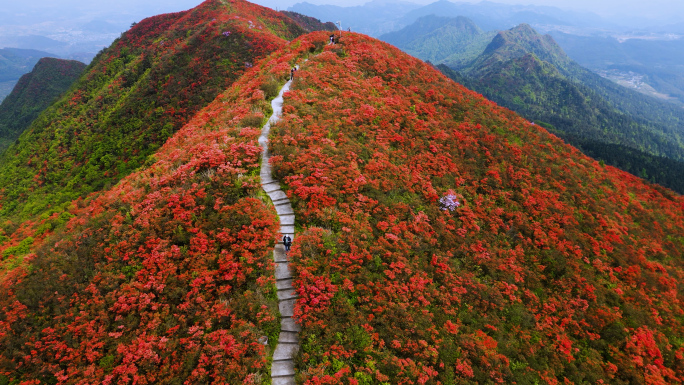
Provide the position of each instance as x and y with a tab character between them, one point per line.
22	248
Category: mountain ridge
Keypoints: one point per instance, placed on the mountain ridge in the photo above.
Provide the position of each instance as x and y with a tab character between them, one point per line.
33	93
133	96
531	74
434	38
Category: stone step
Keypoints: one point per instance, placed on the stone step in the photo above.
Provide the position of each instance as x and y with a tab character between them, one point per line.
282	368
286	380
279	255
287	219
282	271
286	307
287	294
282	284
288	337
285	352
284	209
281	201
271	187
289	324
266	128
287	229
266	179
277	195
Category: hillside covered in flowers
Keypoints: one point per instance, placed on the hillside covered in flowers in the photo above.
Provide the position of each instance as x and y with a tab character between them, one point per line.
165	278
551	269
440	239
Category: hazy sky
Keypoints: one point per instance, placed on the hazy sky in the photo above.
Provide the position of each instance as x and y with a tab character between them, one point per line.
633	8
673	9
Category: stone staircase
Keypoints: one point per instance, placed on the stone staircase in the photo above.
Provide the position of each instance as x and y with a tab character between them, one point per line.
282	370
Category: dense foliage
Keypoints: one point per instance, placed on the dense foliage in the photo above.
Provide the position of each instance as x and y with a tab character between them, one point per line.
309	23
453	41
133	97
536	90
553	268
165	278
656	169
530	74
34	92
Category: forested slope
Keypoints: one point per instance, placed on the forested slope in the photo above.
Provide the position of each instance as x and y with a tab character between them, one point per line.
309	23
133	97
454	41
33	93
551	268
167	277
530	74
14	63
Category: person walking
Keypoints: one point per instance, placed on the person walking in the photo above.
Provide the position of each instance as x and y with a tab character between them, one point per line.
292	72
287	242
332	39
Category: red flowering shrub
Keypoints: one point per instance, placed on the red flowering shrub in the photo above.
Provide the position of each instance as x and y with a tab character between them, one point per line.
166	277
553	268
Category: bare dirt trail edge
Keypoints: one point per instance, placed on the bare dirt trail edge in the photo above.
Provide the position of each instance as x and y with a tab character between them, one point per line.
282	370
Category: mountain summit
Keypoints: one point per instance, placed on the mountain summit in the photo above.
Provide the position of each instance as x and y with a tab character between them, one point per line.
520	41
435	38
531	74
33	93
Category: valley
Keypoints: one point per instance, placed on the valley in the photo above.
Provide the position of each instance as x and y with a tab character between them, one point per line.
634	81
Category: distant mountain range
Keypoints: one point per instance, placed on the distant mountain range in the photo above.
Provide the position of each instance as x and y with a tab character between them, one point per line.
456	41
380	16
373	18
34	92
531	74
496	16
310	23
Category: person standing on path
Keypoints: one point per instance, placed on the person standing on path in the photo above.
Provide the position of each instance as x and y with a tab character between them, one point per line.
287	242
332	39
292	72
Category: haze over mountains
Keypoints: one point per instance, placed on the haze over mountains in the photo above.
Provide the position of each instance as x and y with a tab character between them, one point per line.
78	30
74	29
531	74
439	238
613	46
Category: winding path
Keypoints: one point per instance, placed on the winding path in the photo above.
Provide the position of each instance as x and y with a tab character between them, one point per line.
282	370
